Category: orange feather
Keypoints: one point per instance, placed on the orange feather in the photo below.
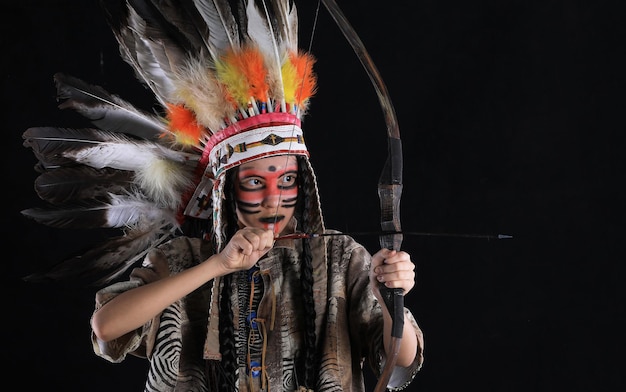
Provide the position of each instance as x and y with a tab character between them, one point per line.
183	124
303	63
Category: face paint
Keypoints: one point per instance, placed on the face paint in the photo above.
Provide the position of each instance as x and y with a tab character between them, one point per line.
267	190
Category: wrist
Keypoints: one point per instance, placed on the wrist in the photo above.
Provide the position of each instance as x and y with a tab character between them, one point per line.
215	266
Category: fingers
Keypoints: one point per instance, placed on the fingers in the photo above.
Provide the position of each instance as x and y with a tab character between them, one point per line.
394	269
246	247
250	240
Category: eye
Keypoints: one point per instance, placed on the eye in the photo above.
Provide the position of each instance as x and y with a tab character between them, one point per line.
288	180
251	183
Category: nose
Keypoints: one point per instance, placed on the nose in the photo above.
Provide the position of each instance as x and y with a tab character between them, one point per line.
272	195
271	200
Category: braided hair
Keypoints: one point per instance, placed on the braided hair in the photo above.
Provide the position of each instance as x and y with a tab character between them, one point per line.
308	191
226	326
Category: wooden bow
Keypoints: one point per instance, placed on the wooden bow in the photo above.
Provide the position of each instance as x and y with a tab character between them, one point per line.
389	185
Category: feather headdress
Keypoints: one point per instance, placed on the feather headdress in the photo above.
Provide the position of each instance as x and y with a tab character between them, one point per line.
233	86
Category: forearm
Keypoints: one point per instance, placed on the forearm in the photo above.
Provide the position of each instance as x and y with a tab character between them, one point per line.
132	309
408	348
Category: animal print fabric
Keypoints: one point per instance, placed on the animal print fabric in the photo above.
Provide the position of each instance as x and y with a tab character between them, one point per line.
348	322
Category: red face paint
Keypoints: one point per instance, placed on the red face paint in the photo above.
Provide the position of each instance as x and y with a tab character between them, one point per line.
267	190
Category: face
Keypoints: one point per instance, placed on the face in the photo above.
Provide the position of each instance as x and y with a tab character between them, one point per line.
267	190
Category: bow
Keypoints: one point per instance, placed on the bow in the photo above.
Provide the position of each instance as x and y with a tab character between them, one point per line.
389	183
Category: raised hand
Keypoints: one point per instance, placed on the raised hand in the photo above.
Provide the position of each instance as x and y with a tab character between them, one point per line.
245	248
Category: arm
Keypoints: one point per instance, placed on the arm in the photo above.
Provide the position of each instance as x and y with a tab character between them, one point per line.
132	309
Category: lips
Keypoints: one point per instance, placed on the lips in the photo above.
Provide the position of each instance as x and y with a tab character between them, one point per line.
272	219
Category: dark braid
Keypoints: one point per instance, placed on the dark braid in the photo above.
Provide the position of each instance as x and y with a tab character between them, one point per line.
310	348
227	337
227	330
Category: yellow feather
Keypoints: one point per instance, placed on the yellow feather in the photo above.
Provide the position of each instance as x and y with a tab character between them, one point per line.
290	81
230	74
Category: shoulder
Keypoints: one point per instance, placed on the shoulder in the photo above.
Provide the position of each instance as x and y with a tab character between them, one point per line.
343	241
180	253
346	250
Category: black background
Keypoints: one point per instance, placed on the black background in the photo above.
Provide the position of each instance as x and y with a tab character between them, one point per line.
512	120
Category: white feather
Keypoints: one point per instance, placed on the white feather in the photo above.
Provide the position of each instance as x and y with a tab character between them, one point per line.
135	211
223	30
261	32
141	55
286	24
120	152
292	26
107	111
164	181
